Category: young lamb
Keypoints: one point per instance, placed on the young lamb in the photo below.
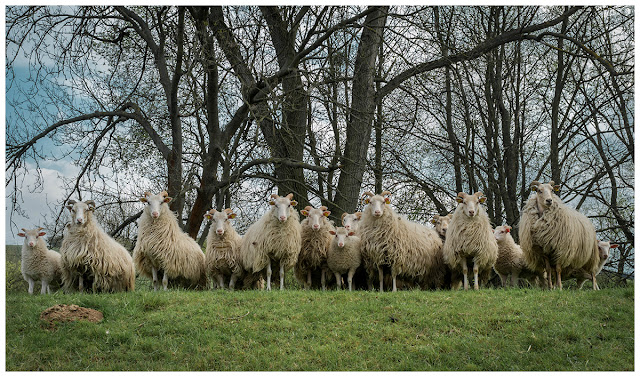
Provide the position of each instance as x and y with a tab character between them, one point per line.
344	255
553	233
315	243
90	257
274	241
351	221
38	262
163	248
470	238
511	259
442	224
409	249
223	258
582	275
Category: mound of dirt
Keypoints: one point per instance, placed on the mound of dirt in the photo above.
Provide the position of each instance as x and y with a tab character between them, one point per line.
66	313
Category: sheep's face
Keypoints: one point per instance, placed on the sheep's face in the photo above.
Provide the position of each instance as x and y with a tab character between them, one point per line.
315	216
31	236
501	233
281	206
342	234
603	249
218	219
350	220
441	224
544	193
80	211
470	203
155	202
377	202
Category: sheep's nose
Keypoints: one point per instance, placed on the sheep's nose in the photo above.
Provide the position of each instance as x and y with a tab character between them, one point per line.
347	227
377	213
31	244
283	218
340	244
316	226
548	201
471	213
220	231
79	221
155	214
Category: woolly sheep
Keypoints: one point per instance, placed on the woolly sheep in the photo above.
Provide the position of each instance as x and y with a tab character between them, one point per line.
582	275
223	259
163	248
38	262
553	233
90	257
315	243
441	224
408	249
351	221
470	239
344	255
273	242
510	259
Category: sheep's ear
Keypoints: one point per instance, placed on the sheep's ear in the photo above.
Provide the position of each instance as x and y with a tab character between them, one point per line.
273	203
231	215
351	234
358	215
208	216
144	200
433	221
326	213
613	245
387	200
274	196
556	188
41	234
367	201
290	196
294	203
304	212
21	234
70	204
482	199
552	183
331	232
460	197
91	204
507	229
534	185
167	199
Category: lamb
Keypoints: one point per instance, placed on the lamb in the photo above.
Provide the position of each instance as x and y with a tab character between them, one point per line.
344	255
315	243
442	224
351	221
163	248
582	275
38	262
223	259
91	257
274	241
551	233
470	238
408	249
510	259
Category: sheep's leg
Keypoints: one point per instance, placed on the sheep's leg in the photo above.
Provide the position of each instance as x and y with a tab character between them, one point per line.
381	277
393	283
308	285
281	276
31	284
476	283
269	275
350	277
579	283
338	286
45	287
548	269
558	276
370	283
154	274
323	280
465	270
165	281
232	281
514	277
503	279
221	281
596	287
80	284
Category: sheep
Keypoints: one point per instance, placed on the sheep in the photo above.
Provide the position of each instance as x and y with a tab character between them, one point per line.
470	238
38	262
315	242
343	256
91	257
223	258
441	224
551	233
581	275
510	259
274	241
408	249
351	221
163	248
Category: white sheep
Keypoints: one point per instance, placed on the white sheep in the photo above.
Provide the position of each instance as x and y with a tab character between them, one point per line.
223	258
470	239
163	248
441	224
408	249
553	233
581	275
90	257
315	243
511	261
38	262
344	255
351	221
273	242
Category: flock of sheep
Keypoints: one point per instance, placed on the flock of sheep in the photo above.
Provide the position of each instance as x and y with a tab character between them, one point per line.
376	247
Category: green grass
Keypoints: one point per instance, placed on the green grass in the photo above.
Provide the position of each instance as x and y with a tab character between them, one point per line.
494	329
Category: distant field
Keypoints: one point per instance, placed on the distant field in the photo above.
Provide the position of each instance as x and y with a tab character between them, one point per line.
493	329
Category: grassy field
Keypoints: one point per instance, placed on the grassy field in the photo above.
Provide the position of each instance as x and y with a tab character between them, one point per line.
494	329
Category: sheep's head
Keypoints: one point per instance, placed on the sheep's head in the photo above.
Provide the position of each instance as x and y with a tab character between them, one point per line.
544	193
603	249
350	220
315	216
501	232
155	202
218	219
377	202
282	206
441	223
470	203
80	211
31	236
341	234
